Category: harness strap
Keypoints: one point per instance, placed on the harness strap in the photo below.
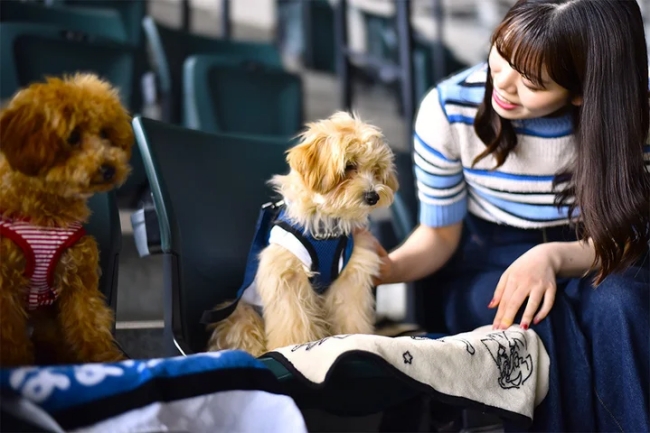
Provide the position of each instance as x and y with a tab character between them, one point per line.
265	219
271	227
73	239
30	261
326	266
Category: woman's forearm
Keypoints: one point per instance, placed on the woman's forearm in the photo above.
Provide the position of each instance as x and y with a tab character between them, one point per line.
573	259
425	251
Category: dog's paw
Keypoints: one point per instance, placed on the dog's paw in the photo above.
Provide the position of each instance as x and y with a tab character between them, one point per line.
364	239
108	356
10	358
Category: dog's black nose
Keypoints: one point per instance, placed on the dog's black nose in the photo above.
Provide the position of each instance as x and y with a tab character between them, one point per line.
107	171
371	197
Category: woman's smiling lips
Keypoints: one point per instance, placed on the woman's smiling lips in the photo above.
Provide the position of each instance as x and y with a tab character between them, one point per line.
502	102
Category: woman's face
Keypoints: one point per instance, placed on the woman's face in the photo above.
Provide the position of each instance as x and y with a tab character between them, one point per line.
515	97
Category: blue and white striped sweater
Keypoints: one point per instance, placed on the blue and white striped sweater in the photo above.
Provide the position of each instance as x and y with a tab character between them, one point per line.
519	193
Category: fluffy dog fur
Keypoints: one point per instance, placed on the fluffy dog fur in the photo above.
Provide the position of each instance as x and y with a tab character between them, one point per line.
337	161
54	138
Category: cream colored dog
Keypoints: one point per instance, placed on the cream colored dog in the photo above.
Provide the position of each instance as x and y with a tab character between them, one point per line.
340	171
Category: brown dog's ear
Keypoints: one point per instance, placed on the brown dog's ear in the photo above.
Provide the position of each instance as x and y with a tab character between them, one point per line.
312	160
392	181
25	142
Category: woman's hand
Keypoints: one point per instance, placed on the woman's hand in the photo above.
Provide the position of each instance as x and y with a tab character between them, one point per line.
425	251
532	276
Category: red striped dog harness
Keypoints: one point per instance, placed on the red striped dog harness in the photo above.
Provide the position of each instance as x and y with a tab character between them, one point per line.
42	247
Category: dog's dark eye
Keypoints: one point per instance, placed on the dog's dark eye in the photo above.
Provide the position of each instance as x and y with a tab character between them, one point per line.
103	134
74	139
350	167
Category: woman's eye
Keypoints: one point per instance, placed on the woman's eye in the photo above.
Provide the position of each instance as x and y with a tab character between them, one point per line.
532	87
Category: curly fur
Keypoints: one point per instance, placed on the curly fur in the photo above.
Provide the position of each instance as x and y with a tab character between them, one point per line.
338	160
55	138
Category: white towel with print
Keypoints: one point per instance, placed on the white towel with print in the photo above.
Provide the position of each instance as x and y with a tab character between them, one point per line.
503	370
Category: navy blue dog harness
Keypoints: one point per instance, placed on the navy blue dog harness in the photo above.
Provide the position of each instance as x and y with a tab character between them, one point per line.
328	254
325	256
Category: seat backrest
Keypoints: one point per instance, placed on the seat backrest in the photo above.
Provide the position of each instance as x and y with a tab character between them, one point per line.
207	190
101	22
405	207
322	50
29	52
104	226
131	11
224	95
171	47
307	28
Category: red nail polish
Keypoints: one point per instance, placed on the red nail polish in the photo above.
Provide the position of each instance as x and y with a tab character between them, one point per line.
525	326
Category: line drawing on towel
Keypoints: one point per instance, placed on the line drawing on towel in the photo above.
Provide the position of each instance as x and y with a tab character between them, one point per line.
468	346
408	358
312	344
510	354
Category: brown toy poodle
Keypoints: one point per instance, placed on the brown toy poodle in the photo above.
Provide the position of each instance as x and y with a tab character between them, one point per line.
61	141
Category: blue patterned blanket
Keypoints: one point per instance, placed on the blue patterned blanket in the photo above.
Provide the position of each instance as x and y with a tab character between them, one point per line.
204	392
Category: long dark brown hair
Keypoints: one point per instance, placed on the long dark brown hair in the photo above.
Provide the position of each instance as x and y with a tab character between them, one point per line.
596	50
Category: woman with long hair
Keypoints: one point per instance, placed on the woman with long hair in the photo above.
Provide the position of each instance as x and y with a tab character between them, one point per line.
533	185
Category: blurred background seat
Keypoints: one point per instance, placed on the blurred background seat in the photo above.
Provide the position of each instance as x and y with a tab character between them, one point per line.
234	96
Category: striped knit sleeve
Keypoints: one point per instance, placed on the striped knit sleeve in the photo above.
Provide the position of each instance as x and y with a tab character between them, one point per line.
438	170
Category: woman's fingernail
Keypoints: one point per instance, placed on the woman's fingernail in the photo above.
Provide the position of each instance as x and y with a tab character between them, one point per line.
524	326
491	304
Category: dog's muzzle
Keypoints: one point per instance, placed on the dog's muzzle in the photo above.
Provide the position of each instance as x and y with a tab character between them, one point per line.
371	197
107	172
